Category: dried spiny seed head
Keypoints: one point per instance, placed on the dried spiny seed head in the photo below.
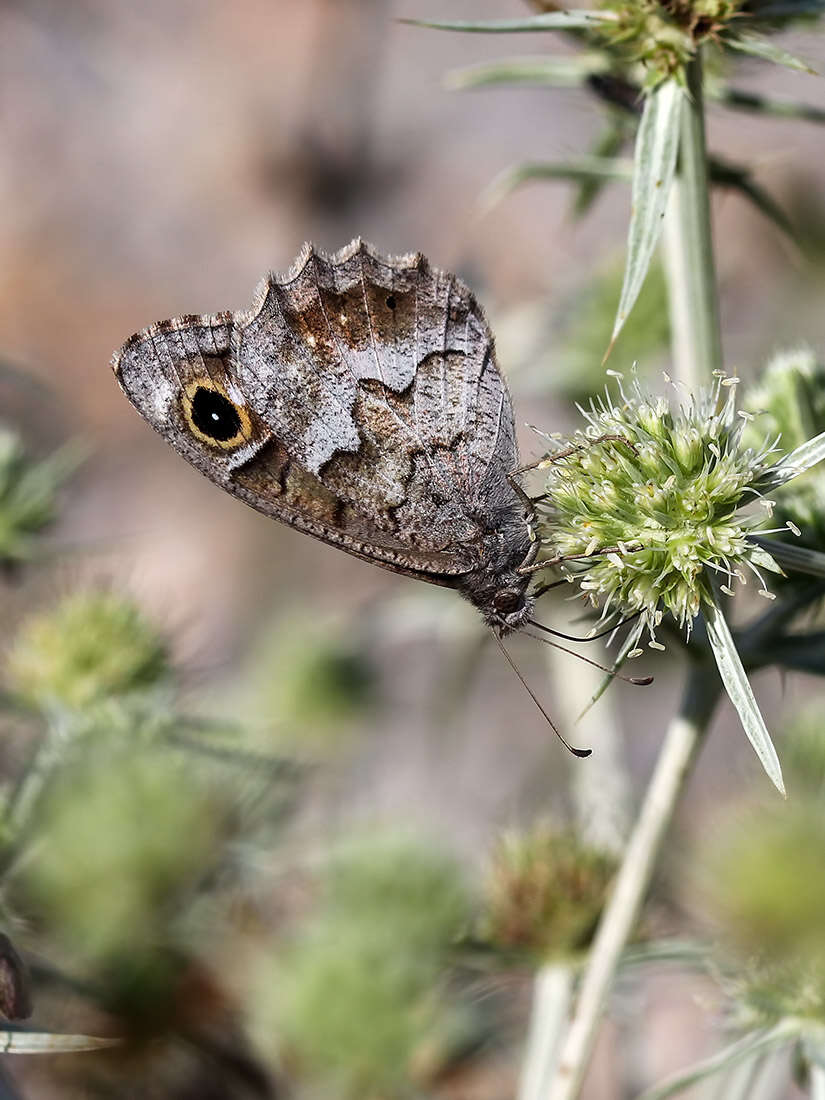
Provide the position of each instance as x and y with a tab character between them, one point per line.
545	891
644	507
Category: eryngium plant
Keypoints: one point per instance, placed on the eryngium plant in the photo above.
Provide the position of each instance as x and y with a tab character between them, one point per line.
651	510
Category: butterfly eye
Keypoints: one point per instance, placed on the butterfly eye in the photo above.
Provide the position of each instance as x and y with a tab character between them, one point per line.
507	600
213	417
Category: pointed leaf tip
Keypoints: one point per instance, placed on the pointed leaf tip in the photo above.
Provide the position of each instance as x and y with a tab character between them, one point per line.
757	46
737	685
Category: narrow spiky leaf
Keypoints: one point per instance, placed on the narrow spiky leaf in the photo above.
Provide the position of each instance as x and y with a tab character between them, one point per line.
557	72
804	457
48	1042
577	169
736	684
750	1046
657	144
549	21
796	559
765	50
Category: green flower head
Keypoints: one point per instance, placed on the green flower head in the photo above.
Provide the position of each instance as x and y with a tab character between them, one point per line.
93	646
643	507
788	401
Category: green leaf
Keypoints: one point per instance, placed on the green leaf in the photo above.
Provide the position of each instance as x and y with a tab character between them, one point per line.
795	559
577	168
738	687
14	1041
549	21
657	144
558	72
763	48
731	1055
804	457
762	558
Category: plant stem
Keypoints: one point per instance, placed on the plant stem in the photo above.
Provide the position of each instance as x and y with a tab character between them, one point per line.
552	992
682	741
688	248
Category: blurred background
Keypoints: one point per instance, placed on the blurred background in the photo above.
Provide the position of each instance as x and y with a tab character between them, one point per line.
156	159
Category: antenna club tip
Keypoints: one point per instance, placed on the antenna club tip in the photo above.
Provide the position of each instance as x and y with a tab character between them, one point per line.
641	681
582	753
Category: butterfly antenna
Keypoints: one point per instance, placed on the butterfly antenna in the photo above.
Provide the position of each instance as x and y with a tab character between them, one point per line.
588	637
637	681
581	753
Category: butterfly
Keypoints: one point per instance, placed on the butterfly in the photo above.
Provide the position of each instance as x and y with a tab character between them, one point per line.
358	400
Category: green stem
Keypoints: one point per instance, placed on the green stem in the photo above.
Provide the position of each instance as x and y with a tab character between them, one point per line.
691	274
681	745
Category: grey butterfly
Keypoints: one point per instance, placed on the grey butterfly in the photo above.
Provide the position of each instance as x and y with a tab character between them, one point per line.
359	400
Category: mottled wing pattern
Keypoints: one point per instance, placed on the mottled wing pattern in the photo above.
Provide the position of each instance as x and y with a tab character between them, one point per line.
371	410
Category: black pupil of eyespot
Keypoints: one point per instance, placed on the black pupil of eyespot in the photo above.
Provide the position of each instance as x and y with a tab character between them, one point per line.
214	415
391	301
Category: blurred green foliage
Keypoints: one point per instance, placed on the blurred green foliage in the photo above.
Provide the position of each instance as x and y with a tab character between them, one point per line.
310	682
123	836
28	495
588	325
91	647
764	885
563	349
358	992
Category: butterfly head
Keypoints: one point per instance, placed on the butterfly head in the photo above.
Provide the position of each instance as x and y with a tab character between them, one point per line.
510	607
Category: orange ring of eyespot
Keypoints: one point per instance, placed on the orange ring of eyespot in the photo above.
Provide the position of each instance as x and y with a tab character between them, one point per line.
244	433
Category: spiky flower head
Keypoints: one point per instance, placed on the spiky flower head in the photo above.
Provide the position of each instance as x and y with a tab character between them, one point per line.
545	891
91	647
762	886
788	402
643	505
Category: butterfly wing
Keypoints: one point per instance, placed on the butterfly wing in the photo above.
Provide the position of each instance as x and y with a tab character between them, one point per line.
357	400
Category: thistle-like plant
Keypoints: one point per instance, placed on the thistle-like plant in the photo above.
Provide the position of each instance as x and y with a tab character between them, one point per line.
651	510
655	508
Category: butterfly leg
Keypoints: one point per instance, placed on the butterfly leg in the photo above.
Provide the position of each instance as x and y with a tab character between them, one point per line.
548	563
524	497
551	457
